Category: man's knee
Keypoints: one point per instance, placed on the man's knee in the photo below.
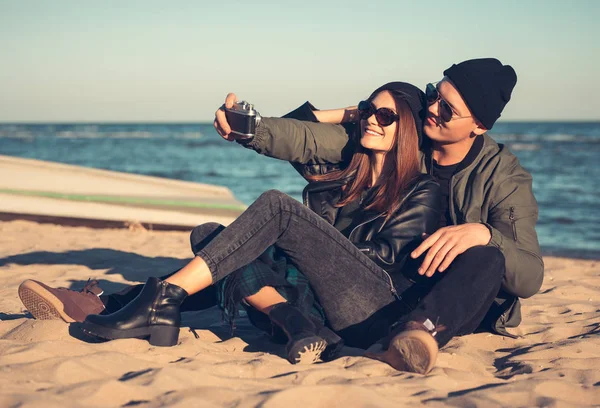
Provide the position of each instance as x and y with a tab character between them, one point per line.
203	234
483	257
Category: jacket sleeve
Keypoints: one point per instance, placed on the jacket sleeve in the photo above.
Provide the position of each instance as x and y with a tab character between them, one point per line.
512	218
402	233
300	139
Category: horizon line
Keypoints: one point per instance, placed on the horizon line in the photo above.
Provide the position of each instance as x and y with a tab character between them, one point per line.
185	122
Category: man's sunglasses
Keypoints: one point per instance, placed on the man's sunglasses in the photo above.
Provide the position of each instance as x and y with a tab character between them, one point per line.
445	110
384	116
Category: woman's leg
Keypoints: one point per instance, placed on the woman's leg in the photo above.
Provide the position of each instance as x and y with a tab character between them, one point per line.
270	283
199	237
268	269
204	299
265	299
350	287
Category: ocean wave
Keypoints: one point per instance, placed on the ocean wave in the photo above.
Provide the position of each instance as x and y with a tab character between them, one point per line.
546	137
524	147
70	134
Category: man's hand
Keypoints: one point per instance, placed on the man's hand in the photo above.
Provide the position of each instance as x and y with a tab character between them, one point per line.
220	123
447	243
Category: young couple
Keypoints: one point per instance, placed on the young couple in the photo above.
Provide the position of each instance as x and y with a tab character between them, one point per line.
416	227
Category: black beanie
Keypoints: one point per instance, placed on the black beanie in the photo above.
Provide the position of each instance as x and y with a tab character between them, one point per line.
414	97
485	85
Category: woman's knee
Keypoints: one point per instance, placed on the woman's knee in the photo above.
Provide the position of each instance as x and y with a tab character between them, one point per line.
276	198
203	234
273	195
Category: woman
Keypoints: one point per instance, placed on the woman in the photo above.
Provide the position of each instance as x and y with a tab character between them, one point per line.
351	242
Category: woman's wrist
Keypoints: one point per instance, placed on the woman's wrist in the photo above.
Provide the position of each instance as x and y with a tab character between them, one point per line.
337	116
350	114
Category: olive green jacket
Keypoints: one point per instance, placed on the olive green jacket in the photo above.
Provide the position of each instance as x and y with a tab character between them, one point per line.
489	187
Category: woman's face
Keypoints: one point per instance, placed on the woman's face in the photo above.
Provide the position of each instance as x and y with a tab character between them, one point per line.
374	136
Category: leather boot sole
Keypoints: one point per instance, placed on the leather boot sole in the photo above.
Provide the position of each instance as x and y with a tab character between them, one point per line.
414	351
162	336
41	303
307	350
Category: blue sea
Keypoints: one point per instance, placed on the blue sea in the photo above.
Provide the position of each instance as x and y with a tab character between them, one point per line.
562	157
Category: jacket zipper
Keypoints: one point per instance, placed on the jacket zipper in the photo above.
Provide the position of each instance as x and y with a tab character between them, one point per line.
392	288
361	224
451	201
511	217
389	277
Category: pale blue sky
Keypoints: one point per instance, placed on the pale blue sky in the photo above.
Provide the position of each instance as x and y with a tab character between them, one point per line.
135	61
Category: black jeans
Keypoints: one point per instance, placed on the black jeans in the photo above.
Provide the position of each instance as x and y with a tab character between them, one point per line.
457	300
354	292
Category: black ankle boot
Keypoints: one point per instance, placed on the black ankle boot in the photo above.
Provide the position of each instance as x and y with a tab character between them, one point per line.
306	342
153	314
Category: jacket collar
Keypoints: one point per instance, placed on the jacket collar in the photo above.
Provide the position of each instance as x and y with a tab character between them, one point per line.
318	187
466	162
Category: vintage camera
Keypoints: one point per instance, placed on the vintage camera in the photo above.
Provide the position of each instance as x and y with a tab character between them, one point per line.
243	120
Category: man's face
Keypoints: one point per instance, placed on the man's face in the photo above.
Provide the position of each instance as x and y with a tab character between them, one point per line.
460	127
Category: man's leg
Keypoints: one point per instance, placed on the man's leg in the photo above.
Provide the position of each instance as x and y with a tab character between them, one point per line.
460	296
455	303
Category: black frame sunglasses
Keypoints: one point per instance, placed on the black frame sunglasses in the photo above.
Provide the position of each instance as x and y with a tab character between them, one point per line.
384	116
445	111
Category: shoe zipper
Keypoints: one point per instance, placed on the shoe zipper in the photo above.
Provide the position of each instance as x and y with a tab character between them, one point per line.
163	288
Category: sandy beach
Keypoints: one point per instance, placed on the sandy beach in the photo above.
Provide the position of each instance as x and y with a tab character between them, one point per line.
554	363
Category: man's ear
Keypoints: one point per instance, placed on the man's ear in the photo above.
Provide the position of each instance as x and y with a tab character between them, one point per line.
479	130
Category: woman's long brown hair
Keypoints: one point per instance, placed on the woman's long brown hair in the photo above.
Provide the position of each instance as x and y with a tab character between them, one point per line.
400	167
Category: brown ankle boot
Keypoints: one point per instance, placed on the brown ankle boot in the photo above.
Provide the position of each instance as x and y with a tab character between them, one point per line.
414	350
46	303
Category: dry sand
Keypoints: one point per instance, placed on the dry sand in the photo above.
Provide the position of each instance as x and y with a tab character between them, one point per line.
555	363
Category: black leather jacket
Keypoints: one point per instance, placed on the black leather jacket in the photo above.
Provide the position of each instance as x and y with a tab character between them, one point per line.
389	243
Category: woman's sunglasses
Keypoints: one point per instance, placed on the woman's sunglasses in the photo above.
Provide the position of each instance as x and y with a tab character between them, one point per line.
445	110
384	116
